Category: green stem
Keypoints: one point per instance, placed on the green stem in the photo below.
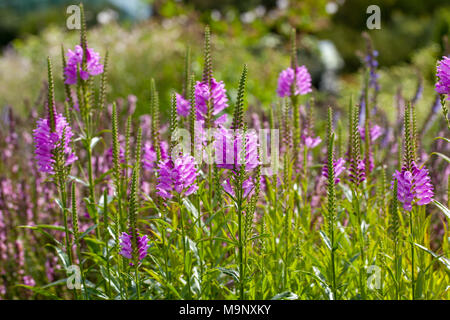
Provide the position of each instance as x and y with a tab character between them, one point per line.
165	250
200	245
63	197
136	273
240	247
286	251
91	188
77	242
183	235
412	253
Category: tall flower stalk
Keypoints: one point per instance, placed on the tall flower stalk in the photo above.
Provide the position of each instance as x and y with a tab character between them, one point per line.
331	203
53	152
414	184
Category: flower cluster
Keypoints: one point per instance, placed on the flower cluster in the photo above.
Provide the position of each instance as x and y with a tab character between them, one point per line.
149	156
286	80
443	74
371	62
127	248
228	149
183	105
375	132
338	169
217	96
75	61
177	176
46	141
357	172
414	186
311	141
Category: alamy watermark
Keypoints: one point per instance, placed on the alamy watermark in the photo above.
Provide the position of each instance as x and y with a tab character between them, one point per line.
73	21
73	277
374	280
374	20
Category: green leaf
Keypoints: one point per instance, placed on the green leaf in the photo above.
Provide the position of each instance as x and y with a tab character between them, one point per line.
287	295
442	138
87	231
419	284
443	156
45	233
443	208
94	141
41	291
76	179
46	226
62	256
325	239
440	258
230	272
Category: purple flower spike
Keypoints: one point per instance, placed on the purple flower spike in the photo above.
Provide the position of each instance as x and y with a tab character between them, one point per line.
183	105
228	149
414	187
127	248
148	156
74	62
338	169
46	141
218	97
286	79
357	172
375	132
311	142
443	74
177	176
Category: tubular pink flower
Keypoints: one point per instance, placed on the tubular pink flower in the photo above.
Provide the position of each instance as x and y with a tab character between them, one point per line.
183	105
338	169
357	173
74	62
414	187
443	74
217	96
286	80
148	156
127	248
228	149
47	141
177	176
248	186
311	142
375	132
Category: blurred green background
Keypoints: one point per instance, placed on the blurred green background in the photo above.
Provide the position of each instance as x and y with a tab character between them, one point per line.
148	38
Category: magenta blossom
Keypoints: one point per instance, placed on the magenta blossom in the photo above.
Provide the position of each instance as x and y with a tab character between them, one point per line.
357	173
338	169
375	132
218	98
311	142
443	74
183	105
148	156
127	248
46	141
74	62
286	80
228	149
177	176
248	186
414	187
